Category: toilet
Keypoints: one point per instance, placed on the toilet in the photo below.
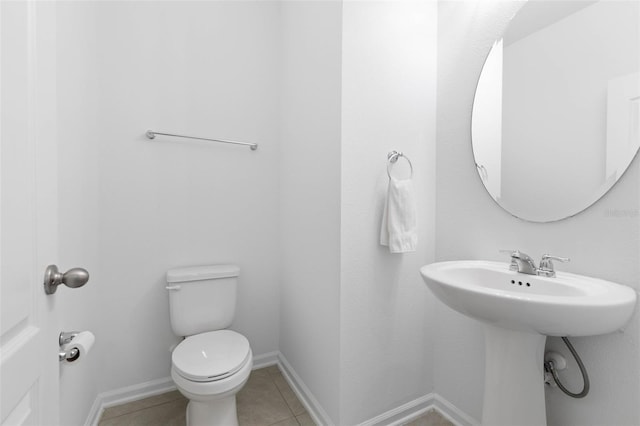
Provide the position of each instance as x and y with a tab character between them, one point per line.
212	363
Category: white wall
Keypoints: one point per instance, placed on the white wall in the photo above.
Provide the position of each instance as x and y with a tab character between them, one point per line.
471	226
388	102
358	81
310	196
327	89
131	208
301	215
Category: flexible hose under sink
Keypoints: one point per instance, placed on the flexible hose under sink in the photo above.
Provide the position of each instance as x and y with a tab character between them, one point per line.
548	366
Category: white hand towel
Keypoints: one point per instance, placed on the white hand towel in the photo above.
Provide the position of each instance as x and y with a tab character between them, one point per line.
399	230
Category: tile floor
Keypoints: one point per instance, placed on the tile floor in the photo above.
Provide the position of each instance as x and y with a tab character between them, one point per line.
266	400
430	418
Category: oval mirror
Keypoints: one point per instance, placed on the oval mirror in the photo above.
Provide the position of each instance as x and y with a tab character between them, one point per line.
556	113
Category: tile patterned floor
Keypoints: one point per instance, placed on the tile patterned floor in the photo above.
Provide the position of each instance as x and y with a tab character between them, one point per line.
430	418
266	400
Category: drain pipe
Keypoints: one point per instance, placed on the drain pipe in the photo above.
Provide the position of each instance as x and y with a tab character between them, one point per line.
550	368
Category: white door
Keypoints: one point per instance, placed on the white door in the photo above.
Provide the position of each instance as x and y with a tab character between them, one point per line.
28	222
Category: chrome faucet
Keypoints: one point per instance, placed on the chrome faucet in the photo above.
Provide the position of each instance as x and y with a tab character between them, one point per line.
523	263
546	265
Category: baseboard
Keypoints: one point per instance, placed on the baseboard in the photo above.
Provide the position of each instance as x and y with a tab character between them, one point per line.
453	413
94	413
395	417
403	414
127	394
152	388
419	406
265	360
315	410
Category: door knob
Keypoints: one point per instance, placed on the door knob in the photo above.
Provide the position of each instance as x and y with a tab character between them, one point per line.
73	278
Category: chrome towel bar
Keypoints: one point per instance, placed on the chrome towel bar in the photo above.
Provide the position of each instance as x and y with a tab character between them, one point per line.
151	135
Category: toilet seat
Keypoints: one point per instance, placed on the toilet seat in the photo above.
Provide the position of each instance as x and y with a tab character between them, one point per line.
211	356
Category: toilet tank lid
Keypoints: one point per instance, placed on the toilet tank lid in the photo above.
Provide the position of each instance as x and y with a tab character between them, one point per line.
198	273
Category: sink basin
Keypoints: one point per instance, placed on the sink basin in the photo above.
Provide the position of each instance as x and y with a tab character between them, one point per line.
518	312
566	305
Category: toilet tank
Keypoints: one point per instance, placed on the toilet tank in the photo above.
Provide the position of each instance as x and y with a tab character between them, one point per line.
202	298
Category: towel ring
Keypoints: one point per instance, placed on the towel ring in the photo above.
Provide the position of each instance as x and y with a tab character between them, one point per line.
392	158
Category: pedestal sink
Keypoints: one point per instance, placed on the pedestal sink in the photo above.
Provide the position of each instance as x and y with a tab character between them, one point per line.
518	311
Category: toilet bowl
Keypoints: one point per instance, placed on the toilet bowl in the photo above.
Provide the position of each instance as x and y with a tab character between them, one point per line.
212	363
209	369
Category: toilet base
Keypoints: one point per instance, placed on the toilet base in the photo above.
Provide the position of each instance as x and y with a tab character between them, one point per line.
217	412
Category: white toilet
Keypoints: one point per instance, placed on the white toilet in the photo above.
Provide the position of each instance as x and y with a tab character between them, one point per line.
211	364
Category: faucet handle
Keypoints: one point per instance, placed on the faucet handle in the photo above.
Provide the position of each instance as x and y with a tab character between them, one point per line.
558	258
546	265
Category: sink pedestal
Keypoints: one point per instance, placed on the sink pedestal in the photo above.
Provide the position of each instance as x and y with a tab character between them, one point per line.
518	311
514	378
505	301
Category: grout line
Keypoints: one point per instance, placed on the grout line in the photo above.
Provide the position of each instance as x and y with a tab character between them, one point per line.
288	418
273	380
131	412
140	409
297	420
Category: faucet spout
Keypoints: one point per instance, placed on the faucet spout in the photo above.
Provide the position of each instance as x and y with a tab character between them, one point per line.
522	262
526	264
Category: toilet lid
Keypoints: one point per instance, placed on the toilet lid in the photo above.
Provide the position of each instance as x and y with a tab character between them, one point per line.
211	356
